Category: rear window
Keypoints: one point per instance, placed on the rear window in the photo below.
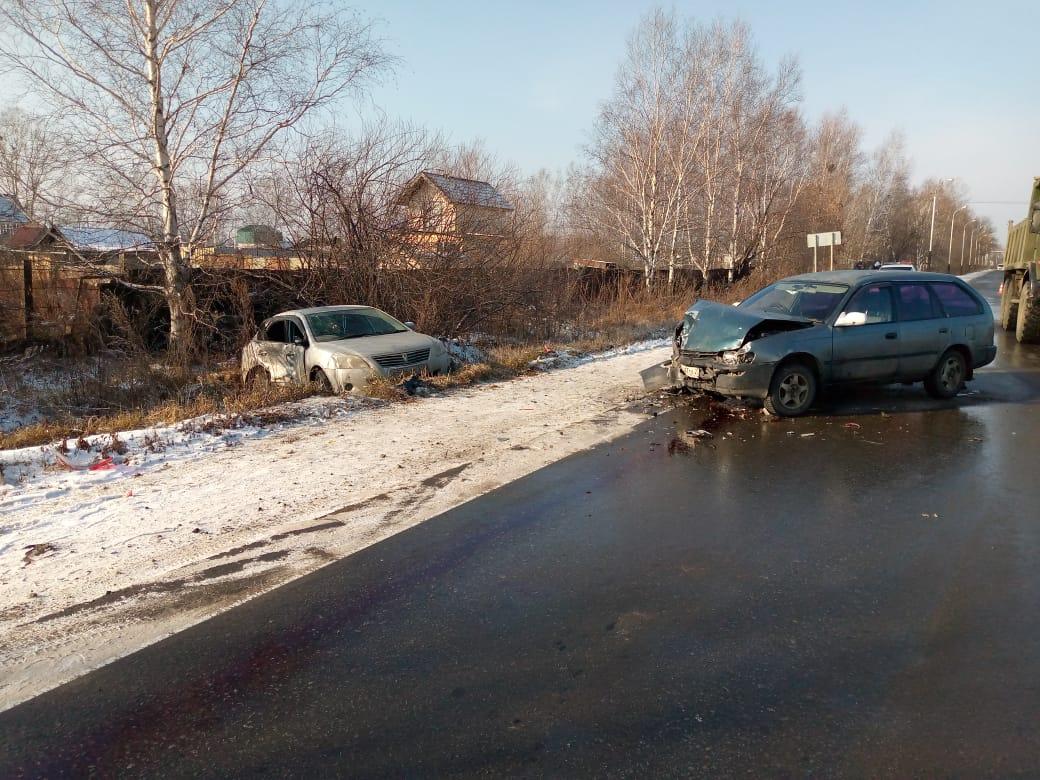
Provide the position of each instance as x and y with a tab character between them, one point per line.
955	300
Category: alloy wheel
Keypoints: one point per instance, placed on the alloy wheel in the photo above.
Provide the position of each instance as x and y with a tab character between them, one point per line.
952	374
794	389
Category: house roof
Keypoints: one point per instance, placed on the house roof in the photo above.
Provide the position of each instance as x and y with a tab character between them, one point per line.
11	210
458	190
104	239
28	235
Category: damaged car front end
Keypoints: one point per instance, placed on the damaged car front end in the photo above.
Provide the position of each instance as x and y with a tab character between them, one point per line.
735	350
725	350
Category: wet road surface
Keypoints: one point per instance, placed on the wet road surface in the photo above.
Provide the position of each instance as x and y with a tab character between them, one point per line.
854	593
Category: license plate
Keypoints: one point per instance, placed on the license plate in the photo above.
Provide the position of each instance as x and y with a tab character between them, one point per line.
693	372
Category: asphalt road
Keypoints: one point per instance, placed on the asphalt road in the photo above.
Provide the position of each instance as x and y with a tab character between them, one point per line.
788	598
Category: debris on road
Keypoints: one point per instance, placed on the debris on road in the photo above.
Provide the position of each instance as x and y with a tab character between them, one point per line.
700	433
417	386
97	463
34	551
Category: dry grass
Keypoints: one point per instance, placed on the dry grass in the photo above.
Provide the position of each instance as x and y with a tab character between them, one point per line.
513	360
219	395
109	394
385	388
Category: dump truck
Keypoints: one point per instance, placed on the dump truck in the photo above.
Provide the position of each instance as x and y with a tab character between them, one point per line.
1020	289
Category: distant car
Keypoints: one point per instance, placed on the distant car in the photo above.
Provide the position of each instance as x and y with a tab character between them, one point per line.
897	267
340	347
787	340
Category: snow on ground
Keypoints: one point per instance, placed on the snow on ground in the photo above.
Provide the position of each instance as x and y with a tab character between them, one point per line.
195	518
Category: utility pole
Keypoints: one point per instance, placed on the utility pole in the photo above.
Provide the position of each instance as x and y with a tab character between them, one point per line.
949	254
964	234
931	230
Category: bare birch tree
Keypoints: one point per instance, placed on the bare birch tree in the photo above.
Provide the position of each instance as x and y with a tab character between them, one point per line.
167	102
634	192
699	154
31	164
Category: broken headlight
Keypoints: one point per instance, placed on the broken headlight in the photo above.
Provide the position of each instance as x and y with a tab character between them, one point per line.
734	357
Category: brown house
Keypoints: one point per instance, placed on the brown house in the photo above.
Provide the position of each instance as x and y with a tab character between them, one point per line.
51	278
446	212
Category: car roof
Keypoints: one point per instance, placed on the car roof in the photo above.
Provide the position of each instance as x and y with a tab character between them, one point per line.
859	277
320	309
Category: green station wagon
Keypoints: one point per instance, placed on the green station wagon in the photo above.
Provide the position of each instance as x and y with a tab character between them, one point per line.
787	340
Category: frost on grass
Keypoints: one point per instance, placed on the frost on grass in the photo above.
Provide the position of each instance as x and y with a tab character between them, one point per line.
101	457
566	358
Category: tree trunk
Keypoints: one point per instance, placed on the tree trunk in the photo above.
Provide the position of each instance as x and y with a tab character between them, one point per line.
176	276
179	299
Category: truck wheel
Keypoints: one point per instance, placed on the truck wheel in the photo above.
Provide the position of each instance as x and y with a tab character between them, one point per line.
947	378
792	390
1028	328
1008	305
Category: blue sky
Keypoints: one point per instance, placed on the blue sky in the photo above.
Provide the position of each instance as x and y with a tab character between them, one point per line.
961	80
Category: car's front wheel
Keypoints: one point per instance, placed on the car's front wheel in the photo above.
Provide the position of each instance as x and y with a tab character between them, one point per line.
792	390
321	379
947	378
258	379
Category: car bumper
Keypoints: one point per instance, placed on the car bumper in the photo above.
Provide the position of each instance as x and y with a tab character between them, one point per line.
345	380
984	356
744	381
350	380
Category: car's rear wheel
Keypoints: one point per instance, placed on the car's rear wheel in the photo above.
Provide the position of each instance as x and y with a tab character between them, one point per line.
947	378
792	390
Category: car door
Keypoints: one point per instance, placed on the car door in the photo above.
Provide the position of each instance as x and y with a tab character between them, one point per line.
276	352
295	350
866	341
924	332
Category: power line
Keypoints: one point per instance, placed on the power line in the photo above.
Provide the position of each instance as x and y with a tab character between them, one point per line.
995	202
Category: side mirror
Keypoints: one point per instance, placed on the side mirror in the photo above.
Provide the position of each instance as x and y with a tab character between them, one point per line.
1034	222
300	342
410	325
850	319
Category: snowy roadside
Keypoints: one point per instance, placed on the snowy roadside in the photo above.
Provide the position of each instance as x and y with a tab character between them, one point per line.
193	519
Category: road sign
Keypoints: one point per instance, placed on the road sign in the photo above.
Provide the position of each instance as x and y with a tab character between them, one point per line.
824	239
816	240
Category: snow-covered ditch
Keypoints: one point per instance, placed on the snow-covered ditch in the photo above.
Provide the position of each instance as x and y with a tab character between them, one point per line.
175	524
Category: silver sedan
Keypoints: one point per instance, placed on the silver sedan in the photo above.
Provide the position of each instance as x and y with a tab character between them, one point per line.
339	347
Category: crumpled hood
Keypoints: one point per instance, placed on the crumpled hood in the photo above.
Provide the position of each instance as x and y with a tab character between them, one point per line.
715	327
369	346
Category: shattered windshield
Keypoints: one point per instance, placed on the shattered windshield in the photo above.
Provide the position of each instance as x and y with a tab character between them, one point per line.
341	324
810	300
